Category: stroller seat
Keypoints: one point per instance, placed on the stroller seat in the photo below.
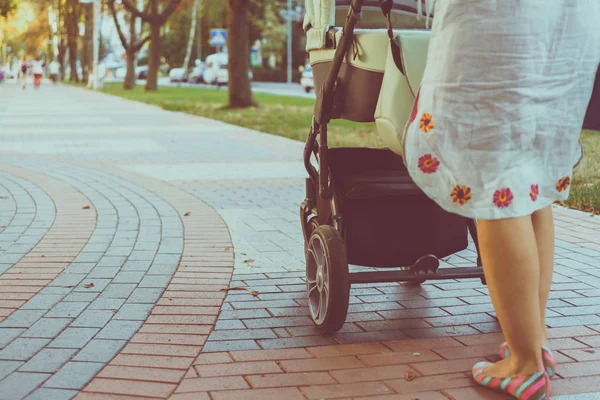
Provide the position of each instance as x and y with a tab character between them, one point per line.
363	72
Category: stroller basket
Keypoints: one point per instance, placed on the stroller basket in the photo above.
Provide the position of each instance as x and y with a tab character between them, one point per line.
388	220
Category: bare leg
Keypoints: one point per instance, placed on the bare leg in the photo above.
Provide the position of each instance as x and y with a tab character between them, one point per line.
511	265
543	225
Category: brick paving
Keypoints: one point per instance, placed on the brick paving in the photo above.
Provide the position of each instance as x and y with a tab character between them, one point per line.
122	225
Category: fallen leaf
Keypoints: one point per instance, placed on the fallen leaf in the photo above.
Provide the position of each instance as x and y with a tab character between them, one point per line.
43	255
254	293
249	260
86	207
409	375
232	288
88	285
115	311
227	248
187	214
2	227
4	197
416	354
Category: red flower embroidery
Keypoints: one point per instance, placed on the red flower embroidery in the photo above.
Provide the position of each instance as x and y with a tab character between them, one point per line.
413	116
427	123
461	194
563	184
428	164
535	191
503	198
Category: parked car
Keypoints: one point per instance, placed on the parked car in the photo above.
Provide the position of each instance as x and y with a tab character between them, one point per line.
307	80
177	75
197	75
141	72
215	72
120	73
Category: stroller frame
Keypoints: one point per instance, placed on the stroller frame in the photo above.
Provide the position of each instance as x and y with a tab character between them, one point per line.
326	228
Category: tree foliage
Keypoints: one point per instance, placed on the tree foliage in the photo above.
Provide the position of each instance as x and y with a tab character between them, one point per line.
7	7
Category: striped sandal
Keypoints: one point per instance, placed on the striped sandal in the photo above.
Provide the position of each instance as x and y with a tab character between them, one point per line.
526	387
549	360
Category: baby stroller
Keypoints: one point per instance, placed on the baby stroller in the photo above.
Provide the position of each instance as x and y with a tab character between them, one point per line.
362	207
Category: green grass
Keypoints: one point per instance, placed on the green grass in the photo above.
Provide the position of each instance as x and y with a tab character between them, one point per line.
585	192
291	117
278	115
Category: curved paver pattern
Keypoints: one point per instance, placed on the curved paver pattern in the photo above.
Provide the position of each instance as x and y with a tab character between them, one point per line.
192	345
102	298
26	214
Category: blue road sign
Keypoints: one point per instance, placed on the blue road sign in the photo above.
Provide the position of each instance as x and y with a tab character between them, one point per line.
218	37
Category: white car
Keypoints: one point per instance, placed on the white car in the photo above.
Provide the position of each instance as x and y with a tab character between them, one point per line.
215	70
307	80
120	73
177	75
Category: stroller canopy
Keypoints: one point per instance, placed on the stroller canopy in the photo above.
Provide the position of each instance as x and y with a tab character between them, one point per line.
323	14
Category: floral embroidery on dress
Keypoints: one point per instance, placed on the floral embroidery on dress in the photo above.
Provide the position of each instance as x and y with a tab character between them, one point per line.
428	164
503	198
427	123
535	192
563	184
461	194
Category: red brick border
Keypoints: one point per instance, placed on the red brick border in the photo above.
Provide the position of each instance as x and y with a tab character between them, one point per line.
64	240
156	359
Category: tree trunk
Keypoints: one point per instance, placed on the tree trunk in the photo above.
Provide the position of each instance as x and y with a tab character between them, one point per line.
240	91
130	78
87	48
62	49
153	57
188	53
72	34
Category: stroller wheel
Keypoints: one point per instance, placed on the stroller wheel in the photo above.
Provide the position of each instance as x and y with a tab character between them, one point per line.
327	279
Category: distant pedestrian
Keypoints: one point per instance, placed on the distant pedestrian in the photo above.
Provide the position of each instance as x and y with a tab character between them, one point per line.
23	73
54	70
38	71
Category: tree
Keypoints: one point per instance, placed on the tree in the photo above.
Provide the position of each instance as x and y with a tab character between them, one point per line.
72	16
175	38
240	92
156	18
7	7
87	52
192	35
274	34
131	47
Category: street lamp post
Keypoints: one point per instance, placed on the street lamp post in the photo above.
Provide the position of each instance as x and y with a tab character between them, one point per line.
289	42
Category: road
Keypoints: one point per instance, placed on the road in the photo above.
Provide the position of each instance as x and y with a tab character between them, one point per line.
281	89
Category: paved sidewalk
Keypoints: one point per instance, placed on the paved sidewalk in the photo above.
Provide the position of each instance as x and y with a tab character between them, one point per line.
122	224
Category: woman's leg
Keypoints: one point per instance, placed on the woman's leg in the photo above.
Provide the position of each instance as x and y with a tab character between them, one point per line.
512	269
543	225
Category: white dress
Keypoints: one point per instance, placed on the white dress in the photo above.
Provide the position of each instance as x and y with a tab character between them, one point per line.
496	125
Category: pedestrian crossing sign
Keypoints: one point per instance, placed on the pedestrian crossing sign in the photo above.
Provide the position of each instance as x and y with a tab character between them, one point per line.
218	37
